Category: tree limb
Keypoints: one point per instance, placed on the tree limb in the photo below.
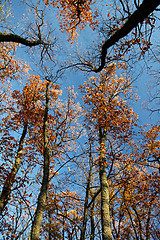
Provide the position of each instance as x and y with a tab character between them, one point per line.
146	8
6	191
94	197
9	37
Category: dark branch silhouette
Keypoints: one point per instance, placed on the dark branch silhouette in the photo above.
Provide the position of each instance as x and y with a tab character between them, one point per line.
9	37
146	8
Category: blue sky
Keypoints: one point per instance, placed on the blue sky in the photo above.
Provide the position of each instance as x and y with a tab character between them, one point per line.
65	51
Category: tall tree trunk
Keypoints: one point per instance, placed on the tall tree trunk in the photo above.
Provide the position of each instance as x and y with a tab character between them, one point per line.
85	213
6	191
92	222
105	214
44	187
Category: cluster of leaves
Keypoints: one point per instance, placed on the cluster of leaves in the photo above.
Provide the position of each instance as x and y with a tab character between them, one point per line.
75	14
106	101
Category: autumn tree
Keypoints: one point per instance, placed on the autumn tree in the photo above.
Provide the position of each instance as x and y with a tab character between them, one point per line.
44	186
23	115
132	24
114	177
10	69
35	34
59	132
123	18
113	119
128	23
87	194
29	111
70	210
134	209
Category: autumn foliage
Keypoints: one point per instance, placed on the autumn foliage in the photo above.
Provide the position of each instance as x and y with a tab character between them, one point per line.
77	165
75	14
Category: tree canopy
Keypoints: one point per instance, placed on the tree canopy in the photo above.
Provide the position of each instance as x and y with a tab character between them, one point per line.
79	149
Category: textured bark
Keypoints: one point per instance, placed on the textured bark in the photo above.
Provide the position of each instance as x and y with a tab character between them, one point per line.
6	191
105	213
44	187
146	8
9	37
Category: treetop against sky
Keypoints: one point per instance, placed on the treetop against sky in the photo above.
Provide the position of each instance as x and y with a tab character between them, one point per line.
135	17
79	156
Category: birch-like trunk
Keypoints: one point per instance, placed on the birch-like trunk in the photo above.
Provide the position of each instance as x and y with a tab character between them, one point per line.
6	191
105	213
44	187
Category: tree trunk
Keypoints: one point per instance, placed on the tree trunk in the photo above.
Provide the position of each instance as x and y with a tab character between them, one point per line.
6	191
85	213
44	187
105	214
92	222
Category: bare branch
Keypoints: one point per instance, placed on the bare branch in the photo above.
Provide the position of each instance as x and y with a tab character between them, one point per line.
146	8
9	37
